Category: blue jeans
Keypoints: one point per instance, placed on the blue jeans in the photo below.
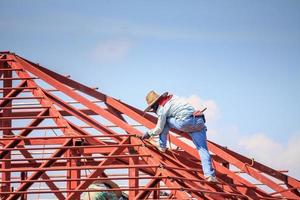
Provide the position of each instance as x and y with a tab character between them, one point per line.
197	130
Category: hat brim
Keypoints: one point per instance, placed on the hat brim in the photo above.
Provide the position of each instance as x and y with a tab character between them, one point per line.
154	102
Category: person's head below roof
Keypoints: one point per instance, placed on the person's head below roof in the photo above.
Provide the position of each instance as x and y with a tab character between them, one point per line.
110	184
152	99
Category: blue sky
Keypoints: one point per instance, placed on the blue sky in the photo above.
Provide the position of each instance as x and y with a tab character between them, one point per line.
241	55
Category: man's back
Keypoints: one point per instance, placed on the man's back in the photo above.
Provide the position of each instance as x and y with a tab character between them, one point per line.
177	107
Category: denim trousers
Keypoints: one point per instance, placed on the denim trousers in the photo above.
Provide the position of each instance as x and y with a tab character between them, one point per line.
196	128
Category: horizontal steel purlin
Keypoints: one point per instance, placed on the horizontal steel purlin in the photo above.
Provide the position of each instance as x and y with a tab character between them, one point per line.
13	137
72	147
77	157
128	189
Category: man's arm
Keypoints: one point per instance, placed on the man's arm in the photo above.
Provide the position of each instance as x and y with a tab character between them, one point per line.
161	122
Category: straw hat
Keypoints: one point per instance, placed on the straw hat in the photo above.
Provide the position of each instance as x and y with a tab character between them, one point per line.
152	98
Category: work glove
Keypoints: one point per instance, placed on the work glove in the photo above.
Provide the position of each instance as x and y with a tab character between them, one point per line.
145	136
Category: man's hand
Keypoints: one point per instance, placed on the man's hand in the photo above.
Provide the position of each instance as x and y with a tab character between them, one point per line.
145	136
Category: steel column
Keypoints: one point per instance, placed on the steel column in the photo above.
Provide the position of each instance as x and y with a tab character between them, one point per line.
6	123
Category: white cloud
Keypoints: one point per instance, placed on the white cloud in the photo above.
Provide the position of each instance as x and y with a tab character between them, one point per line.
112	50
212	113
276	155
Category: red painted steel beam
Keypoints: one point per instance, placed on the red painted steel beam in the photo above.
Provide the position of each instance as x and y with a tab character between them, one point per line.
6	123
34	113
100	109
16	88
85	118
133	183
12	93
254	192
5	61
250	193
63	122
60	165
115	112
176	189
8	69
139	118
39	173
13	137
133	172
19	98
86	166
110	99
97	109
51	185
158	158
86	179
45	177
267	170
111	178
17	79
73	174
249	170
98	172
222	169
251	190
33	127
85	102
135	119
23	177
67	81
23	108
24	133
27	117
91	140
145	193
103	151
53	141
78	157
106	146
225	187
46	102
104	97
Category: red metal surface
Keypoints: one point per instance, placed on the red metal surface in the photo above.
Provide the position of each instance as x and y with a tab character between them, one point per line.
58	136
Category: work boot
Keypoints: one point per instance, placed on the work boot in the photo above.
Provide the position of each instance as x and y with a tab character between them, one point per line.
162	149
212	179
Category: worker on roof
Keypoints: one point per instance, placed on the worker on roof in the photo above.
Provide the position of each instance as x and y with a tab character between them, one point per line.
174	112
104	185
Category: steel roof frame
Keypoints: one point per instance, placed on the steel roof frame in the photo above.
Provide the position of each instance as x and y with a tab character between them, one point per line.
150	174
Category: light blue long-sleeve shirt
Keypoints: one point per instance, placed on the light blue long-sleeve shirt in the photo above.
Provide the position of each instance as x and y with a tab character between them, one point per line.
176	107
